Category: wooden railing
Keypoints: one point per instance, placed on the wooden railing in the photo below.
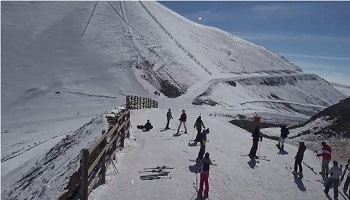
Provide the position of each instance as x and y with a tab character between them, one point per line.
136	102
96	160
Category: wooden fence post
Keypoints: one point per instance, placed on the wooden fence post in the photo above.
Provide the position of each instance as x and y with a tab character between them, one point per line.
103	159
122	134
127	103
84	174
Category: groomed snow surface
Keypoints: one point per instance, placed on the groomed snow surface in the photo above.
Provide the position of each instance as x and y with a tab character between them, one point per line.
234	177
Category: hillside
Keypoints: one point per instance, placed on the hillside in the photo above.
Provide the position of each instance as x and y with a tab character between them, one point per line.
65	63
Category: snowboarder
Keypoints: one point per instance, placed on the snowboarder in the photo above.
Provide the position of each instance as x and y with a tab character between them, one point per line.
284	134
148	126
182	119
299	158
198	125
347	181
326	158
256	135
169	116
204	177
335	173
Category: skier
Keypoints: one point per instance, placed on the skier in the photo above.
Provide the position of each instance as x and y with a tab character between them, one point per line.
198	125
284	134
256	135
326	158
182	119
299	158
203	142
335	173
204	177
169	116
148	126
347	181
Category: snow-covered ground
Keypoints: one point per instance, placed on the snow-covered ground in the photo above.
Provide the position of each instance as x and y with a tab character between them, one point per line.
235	177
55	80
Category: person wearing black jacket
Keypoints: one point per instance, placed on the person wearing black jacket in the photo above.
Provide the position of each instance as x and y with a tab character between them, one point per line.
284	135
198	125
299	158
256	135
182	119
148	126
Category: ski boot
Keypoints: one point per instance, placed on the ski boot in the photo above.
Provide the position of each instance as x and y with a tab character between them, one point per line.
256	157
300	175
206	195
199	196
294	173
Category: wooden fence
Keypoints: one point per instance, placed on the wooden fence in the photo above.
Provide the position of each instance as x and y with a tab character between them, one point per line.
96	160
136	102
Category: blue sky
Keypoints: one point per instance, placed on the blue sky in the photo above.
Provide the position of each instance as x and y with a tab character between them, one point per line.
313	35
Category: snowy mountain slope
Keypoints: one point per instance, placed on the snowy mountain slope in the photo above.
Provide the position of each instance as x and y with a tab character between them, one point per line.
235	177
284	93
54	79
46	176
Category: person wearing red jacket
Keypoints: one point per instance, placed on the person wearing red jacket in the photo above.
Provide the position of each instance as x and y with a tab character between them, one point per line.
326	158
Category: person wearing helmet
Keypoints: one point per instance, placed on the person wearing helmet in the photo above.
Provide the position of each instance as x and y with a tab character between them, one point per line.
204	177
298	159
182	119
335	173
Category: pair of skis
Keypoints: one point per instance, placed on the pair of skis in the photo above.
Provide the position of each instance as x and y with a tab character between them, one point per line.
259	157
160	173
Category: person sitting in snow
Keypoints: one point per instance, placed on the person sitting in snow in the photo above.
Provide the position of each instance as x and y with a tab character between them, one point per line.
256	135
299	159
148	126
198	125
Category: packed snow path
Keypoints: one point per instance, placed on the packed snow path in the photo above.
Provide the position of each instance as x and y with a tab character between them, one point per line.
235	177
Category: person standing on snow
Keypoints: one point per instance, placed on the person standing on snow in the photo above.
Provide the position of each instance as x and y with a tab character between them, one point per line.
203	142
335	173
169	116
326	158
198	125
347	181
256	135
284	134
182	119
204	177
299	158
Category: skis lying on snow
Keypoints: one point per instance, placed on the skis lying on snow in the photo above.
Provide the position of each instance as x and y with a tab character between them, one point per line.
154	171
159	167
311	168
155	177
260	158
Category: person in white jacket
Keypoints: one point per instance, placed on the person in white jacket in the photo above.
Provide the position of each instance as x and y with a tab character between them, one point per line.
347	181
335	172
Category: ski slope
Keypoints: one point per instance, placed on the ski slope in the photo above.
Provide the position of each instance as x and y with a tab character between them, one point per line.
55	79
235	177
